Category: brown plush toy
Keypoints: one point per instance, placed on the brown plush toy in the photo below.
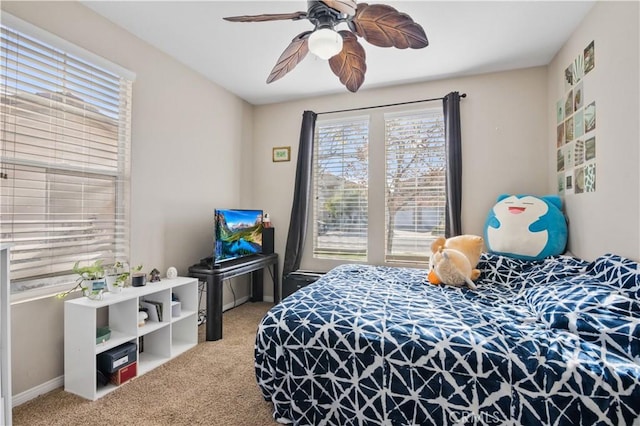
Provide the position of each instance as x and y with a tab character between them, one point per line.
453	261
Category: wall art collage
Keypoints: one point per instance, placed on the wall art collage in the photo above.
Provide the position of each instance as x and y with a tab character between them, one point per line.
576	131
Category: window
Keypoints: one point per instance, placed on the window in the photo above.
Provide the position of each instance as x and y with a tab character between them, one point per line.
64	175
379	197
415	184
341	184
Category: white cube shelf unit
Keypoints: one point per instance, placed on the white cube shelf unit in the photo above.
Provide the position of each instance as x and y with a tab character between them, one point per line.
163	340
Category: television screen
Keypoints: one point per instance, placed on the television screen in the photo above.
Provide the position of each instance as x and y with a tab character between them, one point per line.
238	233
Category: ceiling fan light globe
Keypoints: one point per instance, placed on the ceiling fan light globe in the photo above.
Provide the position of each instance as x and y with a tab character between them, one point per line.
325	43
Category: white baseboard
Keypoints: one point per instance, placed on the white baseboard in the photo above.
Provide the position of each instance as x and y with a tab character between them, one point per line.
243	300
236	303
35	392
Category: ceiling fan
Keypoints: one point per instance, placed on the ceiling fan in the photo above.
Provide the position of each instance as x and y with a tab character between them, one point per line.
379	24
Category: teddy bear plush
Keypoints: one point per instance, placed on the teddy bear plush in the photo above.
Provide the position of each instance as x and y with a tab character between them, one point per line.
453	261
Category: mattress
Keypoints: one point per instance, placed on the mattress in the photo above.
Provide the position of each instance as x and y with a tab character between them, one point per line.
539	342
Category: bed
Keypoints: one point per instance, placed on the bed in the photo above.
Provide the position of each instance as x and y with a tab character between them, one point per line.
539	342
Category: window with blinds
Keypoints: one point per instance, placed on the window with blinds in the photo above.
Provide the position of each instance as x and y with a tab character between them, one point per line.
414	191
341	183
415	184
64	172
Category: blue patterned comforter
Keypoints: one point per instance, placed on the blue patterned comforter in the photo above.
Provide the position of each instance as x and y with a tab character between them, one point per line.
553	342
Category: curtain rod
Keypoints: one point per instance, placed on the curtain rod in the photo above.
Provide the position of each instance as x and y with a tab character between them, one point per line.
464	95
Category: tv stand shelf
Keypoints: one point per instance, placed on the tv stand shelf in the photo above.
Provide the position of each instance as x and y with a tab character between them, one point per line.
216	274
163	340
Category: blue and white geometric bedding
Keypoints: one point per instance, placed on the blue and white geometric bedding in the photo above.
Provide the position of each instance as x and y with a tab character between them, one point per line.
552	342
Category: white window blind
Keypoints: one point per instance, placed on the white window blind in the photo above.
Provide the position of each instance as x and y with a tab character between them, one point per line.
341	182
64	172
415	184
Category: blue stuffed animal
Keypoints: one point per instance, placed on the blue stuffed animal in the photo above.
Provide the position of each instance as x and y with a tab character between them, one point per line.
526	227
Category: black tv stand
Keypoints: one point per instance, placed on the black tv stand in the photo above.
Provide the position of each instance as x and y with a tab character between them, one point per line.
206	261
214	275
231	262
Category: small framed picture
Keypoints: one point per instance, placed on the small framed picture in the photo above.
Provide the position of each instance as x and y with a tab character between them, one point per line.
281	153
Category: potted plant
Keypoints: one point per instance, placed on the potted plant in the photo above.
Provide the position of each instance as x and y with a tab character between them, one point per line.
90	281
117	276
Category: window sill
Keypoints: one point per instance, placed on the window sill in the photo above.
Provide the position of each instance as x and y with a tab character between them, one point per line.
34	294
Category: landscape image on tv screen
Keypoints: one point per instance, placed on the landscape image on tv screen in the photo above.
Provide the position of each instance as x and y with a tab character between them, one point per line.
238	233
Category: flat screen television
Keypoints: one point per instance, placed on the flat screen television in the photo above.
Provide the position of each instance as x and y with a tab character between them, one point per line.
238	233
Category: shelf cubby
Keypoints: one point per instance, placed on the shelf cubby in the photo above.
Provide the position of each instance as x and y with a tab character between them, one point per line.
162	340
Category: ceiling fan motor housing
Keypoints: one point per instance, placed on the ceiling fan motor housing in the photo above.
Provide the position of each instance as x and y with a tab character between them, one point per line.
322	16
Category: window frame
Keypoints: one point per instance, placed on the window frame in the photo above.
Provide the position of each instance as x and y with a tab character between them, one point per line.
377	209
361	254
436	116
45	286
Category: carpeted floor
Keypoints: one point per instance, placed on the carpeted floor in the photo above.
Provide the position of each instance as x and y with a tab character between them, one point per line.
211	384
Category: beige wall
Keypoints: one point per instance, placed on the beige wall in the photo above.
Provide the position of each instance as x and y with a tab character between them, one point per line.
606	220
183	126
190	140
503	137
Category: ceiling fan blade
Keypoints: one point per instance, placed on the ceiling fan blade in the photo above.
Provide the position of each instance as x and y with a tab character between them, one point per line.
349	65
347	7
383	26
267	17
292	56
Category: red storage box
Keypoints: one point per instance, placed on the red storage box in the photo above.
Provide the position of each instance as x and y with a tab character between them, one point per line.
124	374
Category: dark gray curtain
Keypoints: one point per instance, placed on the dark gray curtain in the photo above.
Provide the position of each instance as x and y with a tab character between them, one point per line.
453	149
302	193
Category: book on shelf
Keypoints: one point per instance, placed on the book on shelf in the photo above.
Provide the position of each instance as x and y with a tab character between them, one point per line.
154	309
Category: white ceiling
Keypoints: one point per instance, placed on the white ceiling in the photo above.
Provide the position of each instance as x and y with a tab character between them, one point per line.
465	38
